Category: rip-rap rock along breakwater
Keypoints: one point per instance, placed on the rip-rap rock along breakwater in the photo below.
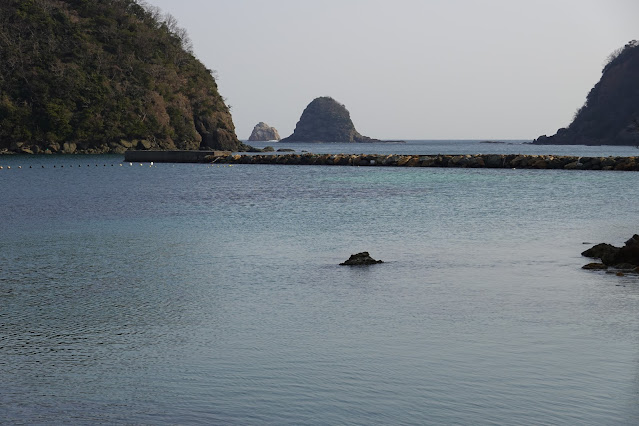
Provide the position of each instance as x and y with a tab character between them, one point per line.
511	161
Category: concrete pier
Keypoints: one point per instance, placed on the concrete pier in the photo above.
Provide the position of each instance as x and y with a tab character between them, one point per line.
174	156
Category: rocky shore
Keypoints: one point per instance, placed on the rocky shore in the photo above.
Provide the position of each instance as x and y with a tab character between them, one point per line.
624	258
496	161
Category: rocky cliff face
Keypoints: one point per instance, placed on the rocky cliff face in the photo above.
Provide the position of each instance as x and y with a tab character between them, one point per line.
610	115
326	120
104	76
264	132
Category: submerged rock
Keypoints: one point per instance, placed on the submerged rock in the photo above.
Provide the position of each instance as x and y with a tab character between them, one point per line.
595	266
362	258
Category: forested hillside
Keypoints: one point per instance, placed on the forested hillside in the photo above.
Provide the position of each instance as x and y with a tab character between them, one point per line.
610	115
101	76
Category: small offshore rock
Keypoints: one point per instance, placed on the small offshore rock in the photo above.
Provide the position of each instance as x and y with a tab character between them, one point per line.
362	258
600	251
264	132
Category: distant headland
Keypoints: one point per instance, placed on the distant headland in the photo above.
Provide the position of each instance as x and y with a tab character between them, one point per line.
610	115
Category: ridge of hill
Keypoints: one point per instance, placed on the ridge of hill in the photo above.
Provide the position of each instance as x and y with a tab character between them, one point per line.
610	115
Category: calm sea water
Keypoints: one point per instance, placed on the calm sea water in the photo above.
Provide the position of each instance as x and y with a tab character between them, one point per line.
191	294
419	147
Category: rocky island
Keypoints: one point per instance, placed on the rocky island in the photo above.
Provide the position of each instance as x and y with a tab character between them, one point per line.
610	115
104	77
326	120
262	132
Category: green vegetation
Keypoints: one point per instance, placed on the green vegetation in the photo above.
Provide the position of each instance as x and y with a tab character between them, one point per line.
103	76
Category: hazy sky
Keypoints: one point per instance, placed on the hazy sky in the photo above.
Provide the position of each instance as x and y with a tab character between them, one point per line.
411	69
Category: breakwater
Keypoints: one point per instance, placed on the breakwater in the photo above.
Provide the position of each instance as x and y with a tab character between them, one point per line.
510	161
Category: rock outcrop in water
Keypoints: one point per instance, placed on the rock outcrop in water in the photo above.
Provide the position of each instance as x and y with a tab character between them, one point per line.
104	76
326	120
262	132
362	258
626	257
610	115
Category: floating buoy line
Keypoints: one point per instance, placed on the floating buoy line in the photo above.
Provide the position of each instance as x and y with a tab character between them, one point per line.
79	166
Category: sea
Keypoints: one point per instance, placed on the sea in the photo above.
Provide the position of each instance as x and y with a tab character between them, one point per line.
162	294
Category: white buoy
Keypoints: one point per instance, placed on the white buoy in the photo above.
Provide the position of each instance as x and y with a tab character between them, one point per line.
151	162
130	164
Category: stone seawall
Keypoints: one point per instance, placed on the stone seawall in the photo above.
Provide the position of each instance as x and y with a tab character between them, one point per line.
497	161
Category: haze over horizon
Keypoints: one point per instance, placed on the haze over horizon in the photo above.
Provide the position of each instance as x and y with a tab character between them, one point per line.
408	69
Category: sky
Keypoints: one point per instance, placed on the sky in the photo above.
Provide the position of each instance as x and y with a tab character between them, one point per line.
408	69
